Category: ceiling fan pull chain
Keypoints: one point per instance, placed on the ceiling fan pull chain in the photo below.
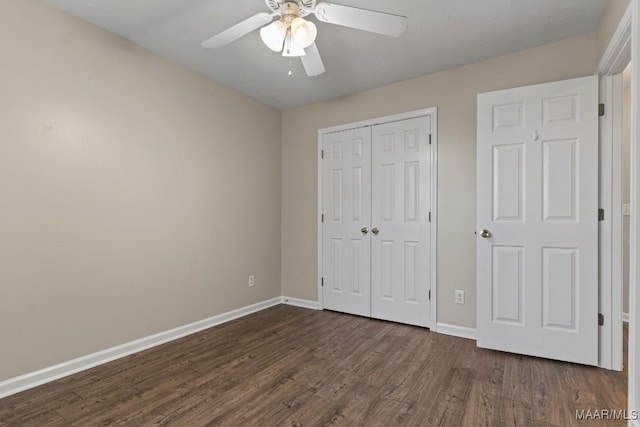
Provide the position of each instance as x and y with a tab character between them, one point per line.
290	72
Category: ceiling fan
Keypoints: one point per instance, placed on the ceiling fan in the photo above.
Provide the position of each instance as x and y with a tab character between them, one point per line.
294	36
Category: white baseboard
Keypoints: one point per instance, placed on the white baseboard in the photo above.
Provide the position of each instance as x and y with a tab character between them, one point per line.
304	303
52	373
625	317
456	331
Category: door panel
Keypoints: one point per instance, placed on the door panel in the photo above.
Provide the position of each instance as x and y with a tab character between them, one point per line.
508	182
346	266
401	197
559	180
558	287
538	196
507	285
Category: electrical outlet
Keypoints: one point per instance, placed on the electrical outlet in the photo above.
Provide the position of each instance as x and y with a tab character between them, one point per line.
459	297
252	281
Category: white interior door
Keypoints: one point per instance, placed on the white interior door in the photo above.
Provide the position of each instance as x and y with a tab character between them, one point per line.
401	198
346	201
537	262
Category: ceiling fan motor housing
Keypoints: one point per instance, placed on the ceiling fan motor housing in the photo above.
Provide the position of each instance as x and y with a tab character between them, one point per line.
303	5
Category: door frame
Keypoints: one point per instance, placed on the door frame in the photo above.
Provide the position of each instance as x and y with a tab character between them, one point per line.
610	228
432	113
624	46
614	60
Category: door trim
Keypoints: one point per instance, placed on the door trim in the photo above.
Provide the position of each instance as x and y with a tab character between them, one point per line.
613	62
619	42
610	229
432	113
634	258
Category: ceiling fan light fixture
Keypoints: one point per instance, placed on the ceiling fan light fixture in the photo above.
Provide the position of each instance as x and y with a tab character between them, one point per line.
293	35
273	35
303	32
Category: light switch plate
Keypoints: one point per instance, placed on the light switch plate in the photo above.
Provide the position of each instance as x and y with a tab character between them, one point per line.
626	209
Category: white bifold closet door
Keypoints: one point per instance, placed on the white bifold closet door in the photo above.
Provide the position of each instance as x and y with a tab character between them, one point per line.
376	234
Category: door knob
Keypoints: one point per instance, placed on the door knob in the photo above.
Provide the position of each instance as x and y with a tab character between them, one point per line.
364	230
375	230
485	233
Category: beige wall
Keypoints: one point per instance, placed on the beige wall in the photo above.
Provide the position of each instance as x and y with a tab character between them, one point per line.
626	193
454	93
136	195
135	198
613	11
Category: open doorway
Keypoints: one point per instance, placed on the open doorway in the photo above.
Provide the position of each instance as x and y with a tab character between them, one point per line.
619	189
623	48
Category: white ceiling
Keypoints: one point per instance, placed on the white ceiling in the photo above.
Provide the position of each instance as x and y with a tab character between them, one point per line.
442	34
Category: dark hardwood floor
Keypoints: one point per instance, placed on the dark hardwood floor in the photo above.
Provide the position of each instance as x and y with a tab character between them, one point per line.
289	366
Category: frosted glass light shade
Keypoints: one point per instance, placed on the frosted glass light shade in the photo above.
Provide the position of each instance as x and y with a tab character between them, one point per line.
303	32
273	35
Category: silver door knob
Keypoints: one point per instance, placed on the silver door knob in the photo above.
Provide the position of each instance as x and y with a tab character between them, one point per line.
364	230
485	233
375	230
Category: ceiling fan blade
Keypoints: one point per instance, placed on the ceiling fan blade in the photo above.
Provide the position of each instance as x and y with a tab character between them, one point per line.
240	29
362	19
312	62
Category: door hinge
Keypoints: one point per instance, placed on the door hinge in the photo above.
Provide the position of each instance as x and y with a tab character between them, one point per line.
429	139
600	214
322	154
601	110
600	319
322	218
429	294
429	216
322	282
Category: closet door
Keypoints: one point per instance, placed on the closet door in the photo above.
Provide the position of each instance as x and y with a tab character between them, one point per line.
346	241
400	239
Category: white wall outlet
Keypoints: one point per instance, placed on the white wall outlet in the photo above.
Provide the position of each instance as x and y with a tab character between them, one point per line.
252	281
626	209
459	297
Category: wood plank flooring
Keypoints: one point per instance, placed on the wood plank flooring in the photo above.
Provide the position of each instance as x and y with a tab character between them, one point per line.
289	366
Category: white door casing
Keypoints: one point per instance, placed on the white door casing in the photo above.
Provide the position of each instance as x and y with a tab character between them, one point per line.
610	227
346	200
401	199
537	178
